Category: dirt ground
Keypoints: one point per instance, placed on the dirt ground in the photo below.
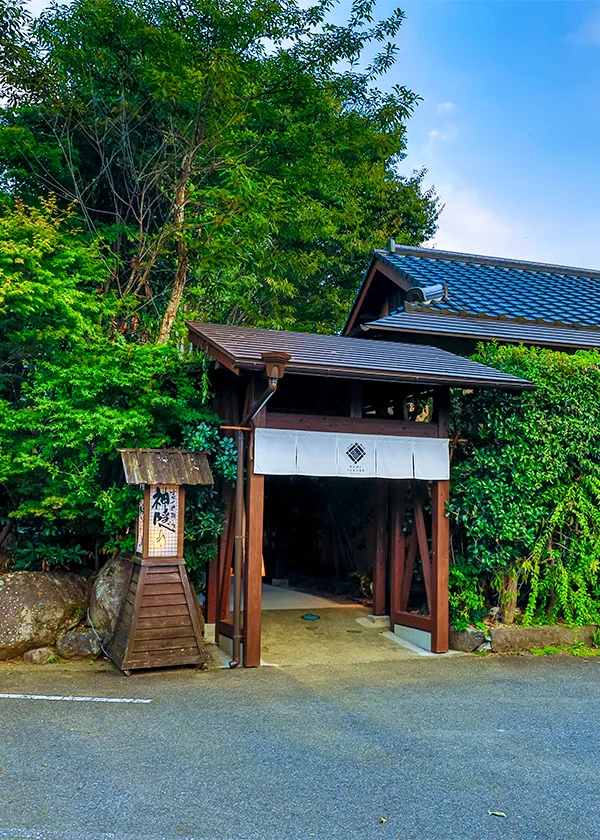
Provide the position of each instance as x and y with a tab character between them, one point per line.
335	639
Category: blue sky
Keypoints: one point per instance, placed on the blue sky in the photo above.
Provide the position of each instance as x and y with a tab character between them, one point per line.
509	128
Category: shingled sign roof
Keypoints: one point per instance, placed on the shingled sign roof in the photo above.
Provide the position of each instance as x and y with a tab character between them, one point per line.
165	466
240	348
489	286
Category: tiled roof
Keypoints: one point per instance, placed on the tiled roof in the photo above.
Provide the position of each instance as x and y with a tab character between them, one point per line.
242	348
486	329
499	287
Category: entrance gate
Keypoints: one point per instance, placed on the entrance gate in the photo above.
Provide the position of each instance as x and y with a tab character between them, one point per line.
345	406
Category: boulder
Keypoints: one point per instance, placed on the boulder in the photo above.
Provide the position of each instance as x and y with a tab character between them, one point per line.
78	644
108	594
467	640
37	607
38	656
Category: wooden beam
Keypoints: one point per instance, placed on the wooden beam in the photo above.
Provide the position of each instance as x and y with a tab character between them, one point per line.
442	411
398	491
356	398
351	425
254	556
215	567
419	622
418	493
381	548
409	569
440	542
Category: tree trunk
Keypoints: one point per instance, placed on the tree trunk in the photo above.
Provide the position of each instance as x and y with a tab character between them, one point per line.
179	281
509	598
176	294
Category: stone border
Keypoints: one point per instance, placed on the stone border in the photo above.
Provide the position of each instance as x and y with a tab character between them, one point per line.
516	639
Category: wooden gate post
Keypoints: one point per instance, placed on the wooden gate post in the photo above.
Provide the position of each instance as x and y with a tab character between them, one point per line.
254	557
440	558
381	547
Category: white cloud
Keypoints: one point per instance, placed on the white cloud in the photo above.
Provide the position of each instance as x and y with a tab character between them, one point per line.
588	32
468	225
445	107
447	134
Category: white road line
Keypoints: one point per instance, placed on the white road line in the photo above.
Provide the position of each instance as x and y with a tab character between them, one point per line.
49	834
72	699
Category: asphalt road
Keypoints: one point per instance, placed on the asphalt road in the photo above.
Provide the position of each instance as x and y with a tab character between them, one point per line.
429	746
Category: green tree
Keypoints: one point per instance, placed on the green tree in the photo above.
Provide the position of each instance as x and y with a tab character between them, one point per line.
231	155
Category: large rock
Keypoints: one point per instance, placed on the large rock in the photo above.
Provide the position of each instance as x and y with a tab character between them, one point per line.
78	644
108	594
513	638
37	607
467	640
38	656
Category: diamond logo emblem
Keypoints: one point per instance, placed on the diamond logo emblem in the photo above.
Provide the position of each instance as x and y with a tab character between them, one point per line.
356	452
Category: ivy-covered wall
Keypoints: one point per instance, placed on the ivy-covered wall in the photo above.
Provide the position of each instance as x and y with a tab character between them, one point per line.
525	496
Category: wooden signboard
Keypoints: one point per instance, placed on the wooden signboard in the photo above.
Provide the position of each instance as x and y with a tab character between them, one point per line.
159	624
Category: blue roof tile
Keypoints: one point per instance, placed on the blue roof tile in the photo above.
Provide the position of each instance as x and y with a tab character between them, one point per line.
505	288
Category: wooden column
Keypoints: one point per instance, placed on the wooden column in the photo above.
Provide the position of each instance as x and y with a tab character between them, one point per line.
211	588
381	550
440	558
398	491
255	500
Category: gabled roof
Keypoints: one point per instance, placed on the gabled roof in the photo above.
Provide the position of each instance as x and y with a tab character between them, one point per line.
479	286
241	348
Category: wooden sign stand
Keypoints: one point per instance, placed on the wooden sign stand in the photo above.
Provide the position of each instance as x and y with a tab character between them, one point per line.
158	625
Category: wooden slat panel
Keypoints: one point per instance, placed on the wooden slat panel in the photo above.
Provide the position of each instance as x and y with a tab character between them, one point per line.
164	577
162	600
170	609
191	657
163	632
175	644
168	621
166	569
130	598
163	589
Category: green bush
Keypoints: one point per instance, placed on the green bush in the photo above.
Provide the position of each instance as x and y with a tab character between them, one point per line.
525	494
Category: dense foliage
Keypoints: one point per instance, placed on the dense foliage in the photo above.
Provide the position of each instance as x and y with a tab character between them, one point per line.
72	391
162	161
526	489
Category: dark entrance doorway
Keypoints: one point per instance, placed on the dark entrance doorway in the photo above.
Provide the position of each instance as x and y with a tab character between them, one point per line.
318	535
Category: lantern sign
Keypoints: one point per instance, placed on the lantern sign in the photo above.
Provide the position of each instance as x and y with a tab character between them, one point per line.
158	624
163	528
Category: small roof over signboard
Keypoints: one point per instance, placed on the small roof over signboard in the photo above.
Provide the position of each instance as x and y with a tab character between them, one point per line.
243	348
165	466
